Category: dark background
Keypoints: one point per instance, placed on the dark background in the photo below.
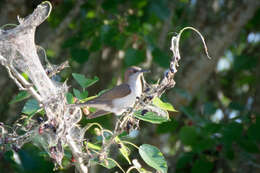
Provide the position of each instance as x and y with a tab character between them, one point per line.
218	125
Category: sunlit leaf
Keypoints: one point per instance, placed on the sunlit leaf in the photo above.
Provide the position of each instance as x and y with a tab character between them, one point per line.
153	157
109	164
124	150
150	117
163	105
93	146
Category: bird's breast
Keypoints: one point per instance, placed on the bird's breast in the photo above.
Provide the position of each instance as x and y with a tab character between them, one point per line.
121	104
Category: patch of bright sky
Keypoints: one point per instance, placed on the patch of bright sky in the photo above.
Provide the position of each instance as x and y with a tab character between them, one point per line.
225	62
253	37
217	116
193	2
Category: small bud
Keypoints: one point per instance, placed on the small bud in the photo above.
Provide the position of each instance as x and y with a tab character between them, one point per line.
106	162
53	149
190	123
46	126
137	164
39	120
48	71
144	112
129	126
150	97
73	160
40	130
86	110
97	131
71	111
219	148
147	89
75	99
15	148
119	145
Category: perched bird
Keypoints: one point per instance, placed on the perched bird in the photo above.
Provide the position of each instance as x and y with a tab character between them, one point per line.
120	98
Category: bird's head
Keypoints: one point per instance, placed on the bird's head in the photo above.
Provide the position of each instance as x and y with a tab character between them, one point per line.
133	73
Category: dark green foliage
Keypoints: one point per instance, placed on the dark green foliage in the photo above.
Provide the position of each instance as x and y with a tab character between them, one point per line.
192	140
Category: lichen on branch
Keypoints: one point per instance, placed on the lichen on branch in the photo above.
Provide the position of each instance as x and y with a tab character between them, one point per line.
59	129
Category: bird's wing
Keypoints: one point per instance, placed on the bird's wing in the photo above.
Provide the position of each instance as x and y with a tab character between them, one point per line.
96	114
116	92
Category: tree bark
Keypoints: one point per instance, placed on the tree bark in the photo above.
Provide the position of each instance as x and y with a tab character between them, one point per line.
198	71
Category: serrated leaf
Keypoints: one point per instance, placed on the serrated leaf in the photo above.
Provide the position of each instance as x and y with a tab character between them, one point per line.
83	81
163	105
31	107
150	117
153	157
20	96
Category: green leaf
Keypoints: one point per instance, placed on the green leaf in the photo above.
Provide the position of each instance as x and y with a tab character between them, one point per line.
153	157
93	146
209	108
20	96
163	105
31	107
83	81
80	95
167	127
134	57
254	129
188	111
109	164
188	135
232	132
150	117
202	166
76	93
184	160
161	58
124	150
69	98
80	55
248	145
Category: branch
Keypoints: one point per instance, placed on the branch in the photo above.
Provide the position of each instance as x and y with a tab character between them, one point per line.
18	53
200	70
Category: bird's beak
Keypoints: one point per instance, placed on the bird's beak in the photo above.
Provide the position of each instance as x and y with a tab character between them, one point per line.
144	71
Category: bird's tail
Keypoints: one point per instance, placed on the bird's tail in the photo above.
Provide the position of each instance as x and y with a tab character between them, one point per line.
90	103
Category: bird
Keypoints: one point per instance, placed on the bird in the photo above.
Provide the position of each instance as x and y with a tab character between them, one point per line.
121	97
